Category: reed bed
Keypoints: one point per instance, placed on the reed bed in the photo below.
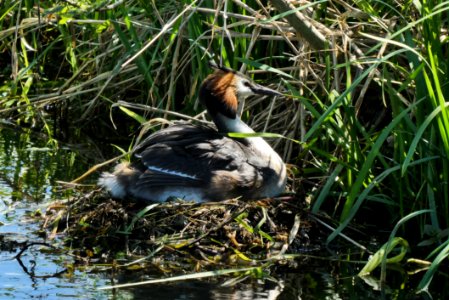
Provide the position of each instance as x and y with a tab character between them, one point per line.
364	116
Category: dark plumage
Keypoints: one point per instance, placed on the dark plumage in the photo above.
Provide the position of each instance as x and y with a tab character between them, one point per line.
198	162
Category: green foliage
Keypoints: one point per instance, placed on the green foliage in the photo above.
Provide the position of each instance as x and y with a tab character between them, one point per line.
366	119
376	259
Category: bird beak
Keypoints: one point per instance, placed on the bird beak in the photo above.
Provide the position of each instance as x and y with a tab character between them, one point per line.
261	90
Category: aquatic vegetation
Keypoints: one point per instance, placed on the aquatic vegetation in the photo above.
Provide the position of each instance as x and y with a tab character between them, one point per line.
366	120
180	235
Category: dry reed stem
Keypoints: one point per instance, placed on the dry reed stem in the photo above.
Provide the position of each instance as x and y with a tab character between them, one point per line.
164	30
342	40
302	25
157	110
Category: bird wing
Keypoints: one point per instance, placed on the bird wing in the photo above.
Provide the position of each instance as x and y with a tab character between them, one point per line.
186	155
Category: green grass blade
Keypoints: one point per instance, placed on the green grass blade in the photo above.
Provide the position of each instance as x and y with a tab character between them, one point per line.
400	223
332	108
358	203
183	277
133	115
373	153
326	188
427	278
418	138
387	248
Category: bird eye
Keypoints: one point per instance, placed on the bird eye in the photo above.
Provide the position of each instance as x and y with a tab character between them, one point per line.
247	84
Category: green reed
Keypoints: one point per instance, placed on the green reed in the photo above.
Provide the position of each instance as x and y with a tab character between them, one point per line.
350	156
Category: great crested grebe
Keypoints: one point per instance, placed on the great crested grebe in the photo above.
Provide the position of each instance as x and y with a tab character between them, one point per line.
197	162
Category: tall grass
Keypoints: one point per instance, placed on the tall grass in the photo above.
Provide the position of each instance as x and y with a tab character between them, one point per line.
368	106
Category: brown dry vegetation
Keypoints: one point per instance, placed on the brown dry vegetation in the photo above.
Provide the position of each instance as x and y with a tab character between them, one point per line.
364	114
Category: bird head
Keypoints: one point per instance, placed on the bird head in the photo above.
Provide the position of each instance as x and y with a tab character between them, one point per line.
221	90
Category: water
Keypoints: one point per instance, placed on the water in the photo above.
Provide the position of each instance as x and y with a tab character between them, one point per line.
27	174
28	171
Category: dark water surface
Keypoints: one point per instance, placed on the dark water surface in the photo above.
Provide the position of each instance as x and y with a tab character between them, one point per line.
28	171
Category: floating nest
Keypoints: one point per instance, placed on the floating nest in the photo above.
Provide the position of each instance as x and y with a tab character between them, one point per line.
180	236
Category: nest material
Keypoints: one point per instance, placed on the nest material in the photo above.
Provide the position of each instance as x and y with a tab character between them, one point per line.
220	233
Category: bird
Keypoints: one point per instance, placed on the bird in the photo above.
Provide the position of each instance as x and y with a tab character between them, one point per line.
200	162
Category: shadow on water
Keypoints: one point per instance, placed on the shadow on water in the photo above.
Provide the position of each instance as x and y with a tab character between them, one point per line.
30	268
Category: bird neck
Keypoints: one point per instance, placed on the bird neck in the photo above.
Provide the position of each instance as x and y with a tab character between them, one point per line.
225	124
236	125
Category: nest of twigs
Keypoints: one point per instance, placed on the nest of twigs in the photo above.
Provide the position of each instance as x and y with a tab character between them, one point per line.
226	233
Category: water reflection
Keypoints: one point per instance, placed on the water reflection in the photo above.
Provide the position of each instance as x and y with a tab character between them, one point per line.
28	171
